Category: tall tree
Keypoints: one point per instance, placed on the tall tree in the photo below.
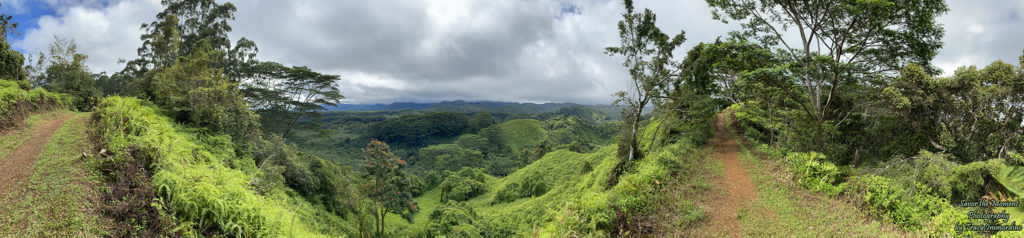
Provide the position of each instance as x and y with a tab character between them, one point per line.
64	71
837	41
10	59
387	184
648	56
282	95
178	30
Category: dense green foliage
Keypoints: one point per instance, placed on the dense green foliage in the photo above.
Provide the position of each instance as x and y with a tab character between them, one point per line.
496	147
463	185
456	220
16	102
975	114
195	92
418	130
200	181
533	185
449	157
911	210
815	173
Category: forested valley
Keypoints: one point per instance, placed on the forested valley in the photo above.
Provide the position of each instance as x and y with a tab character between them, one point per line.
817	118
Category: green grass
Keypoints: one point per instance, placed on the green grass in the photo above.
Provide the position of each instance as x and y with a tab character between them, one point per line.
58	200
784	209
523	133
12	139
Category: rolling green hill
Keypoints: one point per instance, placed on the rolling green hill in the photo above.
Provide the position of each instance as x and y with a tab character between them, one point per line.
574	198
522	133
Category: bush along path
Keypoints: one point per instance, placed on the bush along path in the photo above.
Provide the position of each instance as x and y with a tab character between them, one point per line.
46	189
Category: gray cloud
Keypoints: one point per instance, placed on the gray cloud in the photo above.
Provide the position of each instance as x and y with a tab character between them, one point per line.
980	32
504	50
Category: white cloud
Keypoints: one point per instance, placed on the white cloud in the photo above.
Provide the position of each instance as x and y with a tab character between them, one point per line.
509	50
104	34
980	32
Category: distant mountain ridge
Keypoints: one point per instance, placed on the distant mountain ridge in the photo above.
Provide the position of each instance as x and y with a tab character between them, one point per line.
465	107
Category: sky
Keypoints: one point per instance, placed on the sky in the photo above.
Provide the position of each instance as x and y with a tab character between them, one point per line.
474	50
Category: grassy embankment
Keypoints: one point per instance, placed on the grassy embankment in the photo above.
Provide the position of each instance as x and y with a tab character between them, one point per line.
203	183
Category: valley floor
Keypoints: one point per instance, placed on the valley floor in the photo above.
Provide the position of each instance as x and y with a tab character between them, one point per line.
46	189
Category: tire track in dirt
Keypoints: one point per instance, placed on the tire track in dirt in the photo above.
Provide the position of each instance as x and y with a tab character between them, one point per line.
739	189
16	167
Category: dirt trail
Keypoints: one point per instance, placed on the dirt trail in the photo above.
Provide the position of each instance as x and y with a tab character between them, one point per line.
16	167
738	186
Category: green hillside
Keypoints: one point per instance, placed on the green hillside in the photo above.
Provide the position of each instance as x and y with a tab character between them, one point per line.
203	182
575	197
522	133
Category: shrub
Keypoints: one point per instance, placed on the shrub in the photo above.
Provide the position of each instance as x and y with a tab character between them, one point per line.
417	185
457	220
634	194
940	174
533	185
432	180
507	194
16	102
203	95
910	210
814	172
943	225
461	186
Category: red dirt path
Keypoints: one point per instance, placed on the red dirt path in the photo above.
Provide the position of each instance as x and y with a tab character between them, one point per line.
16	167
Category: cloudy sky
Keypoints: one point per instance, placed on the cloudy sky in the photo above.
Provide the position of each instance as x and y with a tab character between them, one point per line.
428	51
